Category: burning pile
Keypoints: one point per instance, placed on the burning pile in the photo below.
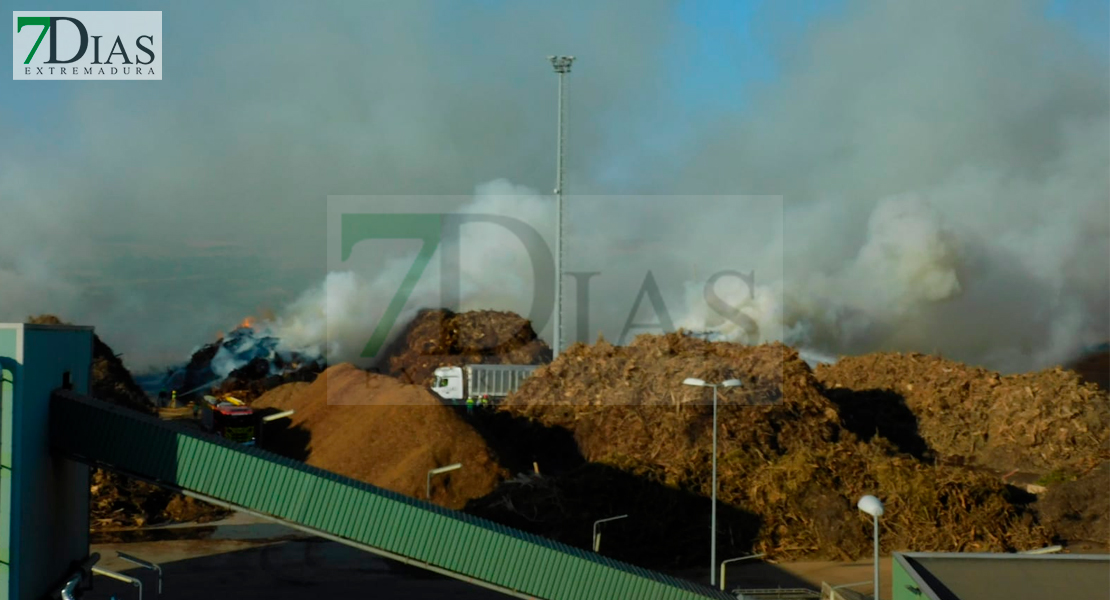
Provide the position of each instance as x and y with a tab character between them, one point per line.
437	338
790	471
1036	422
246	363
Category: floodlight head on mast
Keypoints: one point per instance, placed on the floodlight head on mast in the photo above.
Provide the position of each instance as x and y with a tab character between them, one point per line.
694	381
871	505
561	63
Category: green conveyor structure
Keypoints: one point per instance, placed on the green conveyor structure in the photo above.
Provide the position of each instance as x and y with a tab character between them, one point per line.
349	511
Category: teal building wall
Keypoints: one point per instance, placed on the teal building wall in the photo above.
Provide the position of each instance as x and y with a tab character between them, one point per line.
44	522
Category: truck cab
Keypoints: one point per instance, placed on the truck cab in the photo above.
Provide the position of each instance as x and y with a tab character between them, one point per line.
448	383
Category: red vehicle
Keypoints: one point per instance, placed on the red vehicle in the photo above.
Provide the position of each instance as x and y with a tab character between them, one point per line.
229	419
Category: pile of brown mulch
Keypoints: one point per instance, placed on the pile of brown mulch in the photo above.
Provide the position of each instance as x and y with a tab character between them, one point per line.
118	502
785	456
437	338
1037	422
376	429
1078	510
623	400
807	501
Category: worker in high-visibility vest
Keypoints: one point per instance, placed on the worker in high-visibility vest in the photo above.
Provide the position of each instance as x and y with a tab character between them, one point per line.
484	402
173	398
470	405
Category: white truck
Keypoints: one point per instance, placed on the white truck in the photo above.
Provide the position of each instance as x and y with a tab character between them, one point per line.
475	381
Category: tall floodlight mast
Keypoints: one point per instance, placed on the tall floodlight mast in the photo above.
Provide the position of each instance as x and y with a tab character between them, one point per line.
562	67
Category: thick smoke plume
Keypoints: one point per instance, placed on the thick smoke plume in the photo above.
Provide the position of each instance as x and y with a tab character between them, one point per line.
336	318
942	169
944	179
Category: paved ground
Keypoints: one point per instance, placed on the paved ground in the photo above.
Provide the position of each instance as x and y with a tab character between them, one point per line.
761	575
296	569
245	558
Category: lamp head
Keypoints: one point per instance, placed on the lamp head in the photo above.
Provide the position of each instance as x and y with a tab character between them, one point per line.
871	505
732	383
694	381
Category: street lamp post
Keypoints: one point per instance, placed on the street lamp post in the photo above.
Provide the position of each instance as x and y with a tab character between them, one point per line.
723	563
428	489
874	507
144	564
562	67
270	419
597	536
713	525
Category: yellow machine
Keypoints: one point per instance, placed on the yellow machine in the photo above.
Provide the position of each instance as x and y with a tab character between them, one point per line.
233	400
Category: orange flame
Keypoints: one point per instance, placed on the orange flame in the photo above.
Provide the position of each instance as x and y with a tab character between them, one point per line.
248	323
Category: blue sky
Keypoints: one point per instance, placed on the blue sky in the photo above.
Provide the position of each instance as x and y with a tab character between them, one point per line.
732	49
1090	18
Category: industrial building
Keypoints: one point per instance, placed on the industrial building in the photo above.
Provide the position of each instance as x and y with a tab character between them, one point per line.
989	576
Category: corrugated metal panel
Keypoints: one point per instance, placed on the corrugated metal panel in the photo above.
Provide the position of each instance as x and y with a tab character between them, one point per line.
496	380
352	510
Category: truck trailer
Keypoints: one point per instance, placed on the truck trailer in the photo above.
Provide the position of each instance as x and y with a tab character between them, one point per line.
475	381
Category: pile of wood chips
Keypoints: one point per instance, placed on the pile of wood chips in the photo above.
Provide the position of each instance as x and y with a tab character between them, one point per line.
1037	422
438	338
785	455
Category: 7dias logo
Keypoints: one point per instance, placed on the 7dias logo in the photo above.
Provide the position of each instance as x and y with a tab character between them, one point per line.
87	45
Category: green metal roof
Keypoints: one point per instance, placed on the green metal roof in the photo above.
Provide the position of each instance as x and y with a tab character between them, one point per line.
350	510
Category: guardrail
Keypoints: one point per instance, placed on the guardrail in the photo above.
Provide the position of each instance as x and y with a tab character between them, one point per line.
777	594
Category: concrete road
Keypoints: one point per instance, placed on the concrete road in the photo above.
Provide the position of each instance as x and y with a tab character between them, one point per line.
248	569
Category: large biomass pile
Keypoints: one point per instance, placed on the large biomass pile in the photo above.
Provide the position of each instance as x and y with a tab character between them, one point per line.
376	429
1036	422
437	338
787	463
778	408
116	501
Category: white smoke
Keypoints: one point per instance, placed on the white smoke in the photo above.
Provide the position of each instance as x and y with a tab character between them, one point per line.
943	167
338	317
908	261
916	278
